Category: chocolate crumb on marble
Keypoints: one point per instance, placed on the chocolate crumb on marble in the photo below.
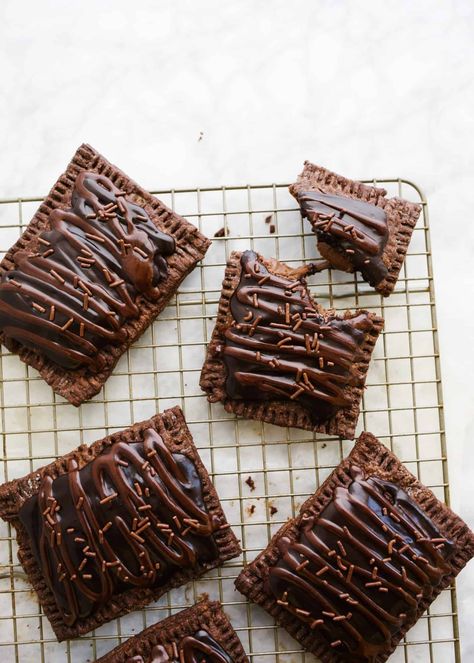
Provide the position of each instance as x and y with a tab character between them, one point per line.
362	561
95	266
357	227
277	356
201	634
108	528
250	483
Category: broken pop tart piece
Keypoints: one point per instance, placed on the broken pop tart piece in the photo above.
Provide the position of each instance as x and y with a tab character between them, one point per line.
277	356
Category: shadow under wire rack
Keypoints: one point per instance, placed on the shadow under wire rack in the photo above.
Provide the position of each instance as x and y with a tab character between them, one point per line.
402	405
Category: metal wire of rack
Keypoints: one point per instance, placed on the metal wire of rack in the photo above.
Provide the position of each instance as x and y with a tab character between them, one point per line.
402	405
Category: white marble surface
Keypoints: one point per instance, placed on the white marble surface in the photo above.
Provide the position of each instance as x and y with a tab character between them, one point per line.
366	88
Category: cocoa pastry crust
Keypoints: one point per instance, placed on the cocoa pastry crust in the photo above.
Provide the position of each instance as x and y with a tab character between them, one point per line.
401	218
172	428
206	615
80	384
284	411
374	460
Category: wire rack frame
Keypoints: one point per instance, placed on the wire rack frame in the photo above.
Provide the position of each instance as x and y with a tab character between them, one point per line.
402	405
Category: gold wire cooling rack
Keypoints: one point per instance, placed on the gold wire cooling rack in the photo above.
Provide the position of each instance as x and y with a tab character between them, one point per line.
402	406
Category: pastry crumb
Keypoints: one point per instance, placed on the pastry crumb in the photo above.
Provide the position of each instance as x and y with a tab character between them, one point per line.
250	483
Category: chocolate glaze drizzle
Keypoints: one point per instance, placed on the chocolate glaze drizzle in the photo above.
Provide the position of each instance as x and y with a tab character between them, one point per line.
358	228
131	517
191	649
359	571
280	347
72	295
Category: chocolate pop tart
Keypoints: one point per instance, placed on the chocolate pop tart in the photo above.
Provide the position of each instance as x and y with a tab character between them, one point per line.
95	266
108	528
357	227
366	556
201	634
277	356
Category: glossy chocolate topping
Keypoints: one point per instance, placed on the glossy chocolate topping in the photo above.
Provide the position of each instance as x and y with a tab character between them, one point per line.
358	572
158	655
71	296
281	347
358	228
131	517
191	649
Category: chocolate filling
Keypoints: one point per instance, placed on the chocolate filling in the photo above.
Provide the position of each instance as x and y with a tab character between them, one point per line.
71	297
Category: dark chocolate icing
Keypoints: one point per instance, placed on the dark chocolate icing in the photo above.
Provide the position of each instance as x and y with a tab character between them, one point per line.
356	227
281	347
158	655
72	295
191	649
131	517
359	571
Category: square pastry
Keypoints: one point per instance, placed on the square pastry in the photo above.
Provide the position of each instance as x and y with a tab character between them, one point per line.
200	633
357	227
108	528
277	356
366	556
97	263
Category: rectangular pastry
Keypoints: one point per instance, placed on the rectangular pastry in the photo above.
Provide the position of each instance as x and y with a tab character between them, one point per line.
201	633
97	263
108	528
357	227
277	356
363	560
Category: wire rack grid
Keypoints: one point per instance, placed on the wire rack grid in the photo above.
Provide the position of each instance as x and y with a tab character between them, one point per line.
402	405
